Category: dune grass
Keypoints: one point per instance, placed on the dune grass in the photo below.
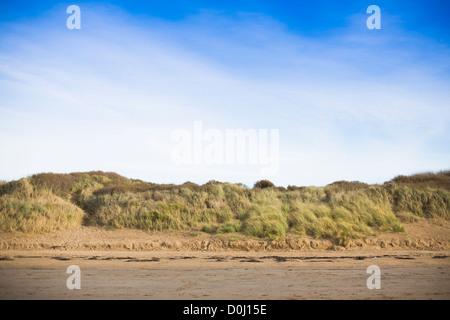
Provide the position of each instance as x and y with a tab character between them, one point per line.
438	180
341	211
37	210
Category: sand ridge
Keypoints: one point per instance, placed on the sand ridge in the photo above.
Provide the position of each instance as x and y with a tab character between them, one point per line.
418	236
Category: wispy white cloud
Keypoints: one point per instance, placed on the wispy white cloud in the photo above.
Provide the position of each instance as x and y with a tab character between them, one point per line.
349	105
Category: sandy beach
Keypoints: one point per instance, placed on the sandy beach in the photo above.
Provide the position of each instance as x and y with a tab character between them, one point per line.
240	275
177	272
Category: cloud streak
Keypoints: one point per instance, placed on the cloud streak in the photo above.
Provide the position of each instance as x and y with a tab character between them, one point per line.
349	105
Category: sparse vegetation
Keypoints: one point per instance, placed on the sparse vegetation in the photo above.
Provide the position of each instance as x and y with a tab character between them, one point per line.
341	211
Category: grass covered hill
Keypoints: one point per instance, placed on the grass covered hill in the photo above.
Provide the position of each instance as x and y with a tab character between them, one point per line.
342	210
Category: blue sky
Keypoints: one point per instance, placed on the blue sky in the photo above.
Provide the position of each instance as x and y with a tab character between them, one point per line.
349	103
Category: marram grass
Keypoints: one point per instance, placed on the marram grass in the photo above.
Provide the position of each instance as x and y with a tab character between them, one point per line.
341	211
27	209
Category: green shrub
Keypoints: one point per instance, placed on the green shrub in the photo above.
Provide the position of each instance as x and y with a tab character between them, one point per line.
262	184
233	226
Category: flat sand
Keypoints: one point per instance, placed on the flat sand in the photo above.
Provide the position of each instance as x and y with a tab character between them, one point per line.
180	271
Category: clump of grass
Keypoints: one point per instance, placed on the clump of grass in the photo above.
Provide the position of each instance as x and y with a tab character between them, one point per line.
267	225
342	214
439	180
426	202
25	209
208	228
229	227
408	217
133	211
346	186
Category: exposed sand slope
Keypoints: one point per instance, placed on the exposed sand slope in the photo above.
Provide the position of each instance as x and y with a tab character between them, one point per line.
424	235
